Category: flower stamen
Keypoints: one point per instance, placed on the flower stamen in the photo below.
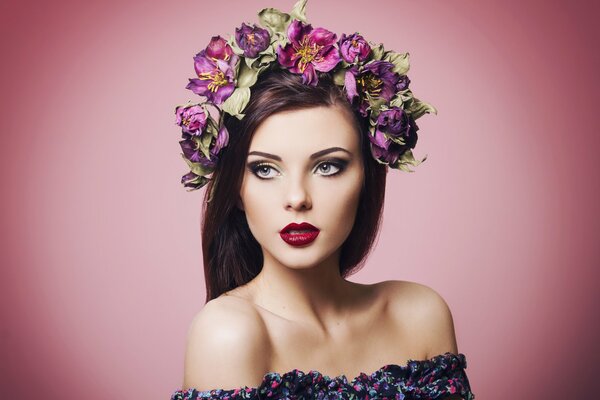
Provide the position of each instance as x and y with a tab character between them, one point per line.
217	77
308	52
371	84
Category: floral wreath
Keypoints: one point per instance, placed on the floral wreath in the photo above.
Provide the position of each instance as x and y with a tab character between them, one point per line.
373	79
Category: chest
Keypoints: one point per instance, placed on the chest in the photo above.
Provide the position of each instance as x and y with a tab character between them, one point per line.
360	343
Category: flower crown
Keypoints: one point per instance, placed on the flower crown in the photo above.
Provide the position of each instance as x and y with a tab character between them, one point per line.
373	79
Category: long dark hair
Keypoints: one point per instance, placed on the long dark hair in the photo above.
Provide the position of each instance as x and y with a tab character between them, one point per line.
232	256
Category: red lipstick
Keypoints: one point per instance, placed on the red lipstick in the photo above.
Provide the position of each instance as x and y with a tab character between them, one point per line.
299	234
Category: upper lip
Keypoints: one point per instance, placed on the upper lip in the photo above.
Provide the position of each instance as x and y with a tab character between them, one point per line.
299	227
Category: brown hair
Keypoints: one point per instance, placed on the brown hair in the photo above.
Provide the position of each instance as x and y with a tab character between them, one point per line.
232	256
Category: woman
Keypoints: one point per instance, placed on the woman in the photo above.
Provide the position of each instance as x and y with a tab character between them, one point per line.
292	209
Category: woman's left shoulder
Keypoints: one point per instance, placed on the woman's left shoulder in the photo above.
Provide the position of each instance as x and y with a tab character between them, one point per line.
423	310
413	294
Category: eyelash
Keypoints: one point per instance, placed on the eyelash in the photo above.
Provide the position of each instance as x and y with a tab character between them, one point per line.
340	164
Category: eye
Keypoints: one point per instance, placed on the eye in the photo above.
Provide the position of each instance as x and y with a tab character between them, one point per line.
331	168
261	170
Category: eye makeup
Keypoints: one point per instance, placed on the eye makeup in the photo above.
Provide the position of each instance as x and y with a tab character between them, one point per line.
339	163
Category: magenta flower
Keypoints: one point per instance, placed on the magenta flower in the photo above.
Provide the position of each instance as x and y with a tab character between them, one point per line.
252	39
215	67
191	118
354	47
309	50
393	125
376	79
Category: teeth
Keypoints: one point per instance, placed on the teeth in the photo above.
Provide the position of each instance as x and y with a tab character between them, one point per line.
295	231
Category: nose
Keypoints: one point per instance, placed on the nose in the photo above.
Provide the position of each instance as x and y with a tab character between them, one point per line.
297	195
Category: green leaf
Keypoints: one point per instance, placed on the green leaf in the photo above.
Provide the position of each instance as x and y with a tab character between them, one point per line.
234	46
377	51
396	101
198	181
339	77
400	61
212	128
396	139
262	62
273	19
407	159
246	77
203	143
380	161
234	105
418	108
375	103
299	11
402	167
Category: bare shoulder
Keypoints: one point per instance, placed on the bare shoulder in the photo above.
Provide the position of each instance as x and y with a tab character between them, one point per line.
424	311
227	346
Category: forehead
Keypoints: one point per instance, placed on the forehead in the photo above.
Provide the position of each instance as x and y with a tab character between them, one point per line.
305	131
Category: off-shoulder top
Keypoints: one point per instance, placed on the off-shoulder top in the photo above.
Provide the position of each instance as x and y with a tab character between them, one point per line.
436	378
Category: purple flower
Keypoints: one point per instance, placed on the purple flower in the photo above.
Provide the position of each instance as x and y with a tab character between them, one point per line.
192	119
376	79
252	40
215	69
393	125
309	50
402	83
191	149
221	141
353	47
193	181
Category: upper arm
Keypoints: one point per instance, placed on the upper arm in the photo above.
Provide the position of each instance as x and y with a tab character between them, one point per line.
226	347
431	318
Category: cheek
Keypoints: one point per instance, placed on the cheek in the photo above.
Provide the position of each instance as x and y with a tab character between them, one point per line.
258	204
342	201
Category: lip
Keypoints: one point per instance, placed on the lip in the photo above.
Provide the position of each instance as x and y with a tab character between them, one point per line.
299	239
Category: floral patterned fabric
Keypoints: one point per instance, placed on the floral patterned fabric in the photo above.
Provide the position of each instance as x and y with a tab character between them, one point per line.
437	378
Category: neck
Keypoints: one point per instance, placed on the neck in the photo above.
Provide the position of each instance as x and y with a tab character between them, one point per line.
316	295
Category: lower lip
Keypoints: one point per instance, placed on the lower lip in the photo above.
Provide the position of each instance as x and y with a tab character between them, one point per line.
299	239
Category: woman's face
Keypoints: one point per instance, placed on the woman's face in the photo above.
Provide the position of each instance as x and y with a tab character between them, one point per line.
303	166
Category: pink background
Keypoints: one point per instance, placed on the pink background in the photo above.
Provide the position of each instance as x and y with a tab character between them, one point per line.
101	260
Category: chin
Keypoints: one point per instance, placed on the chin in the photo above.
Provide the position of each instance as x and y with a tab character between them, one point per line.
302	257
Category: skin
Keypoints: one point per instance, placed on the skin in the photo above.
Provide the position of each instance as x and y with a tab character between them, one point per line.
298	312
303	283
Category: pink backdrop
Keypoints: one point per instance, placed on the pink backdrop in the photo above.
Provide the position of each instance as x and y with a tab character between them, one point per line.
101	260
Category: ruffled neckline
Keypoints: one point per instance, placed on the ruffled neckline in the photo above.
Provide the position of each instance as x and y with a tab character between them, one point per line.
411	365
413	371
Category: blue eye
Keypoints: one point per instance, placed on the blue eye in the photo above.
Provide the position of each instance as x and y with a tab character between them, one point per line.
329	165
328	168
257	170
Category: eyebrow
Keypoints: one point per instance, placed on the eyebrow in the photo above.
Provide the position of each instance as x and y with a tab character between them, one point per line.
312	156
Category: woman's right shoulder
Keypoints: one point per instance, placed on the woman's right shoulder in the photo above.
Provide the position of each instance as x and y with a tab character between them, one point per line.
225	313
227	346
